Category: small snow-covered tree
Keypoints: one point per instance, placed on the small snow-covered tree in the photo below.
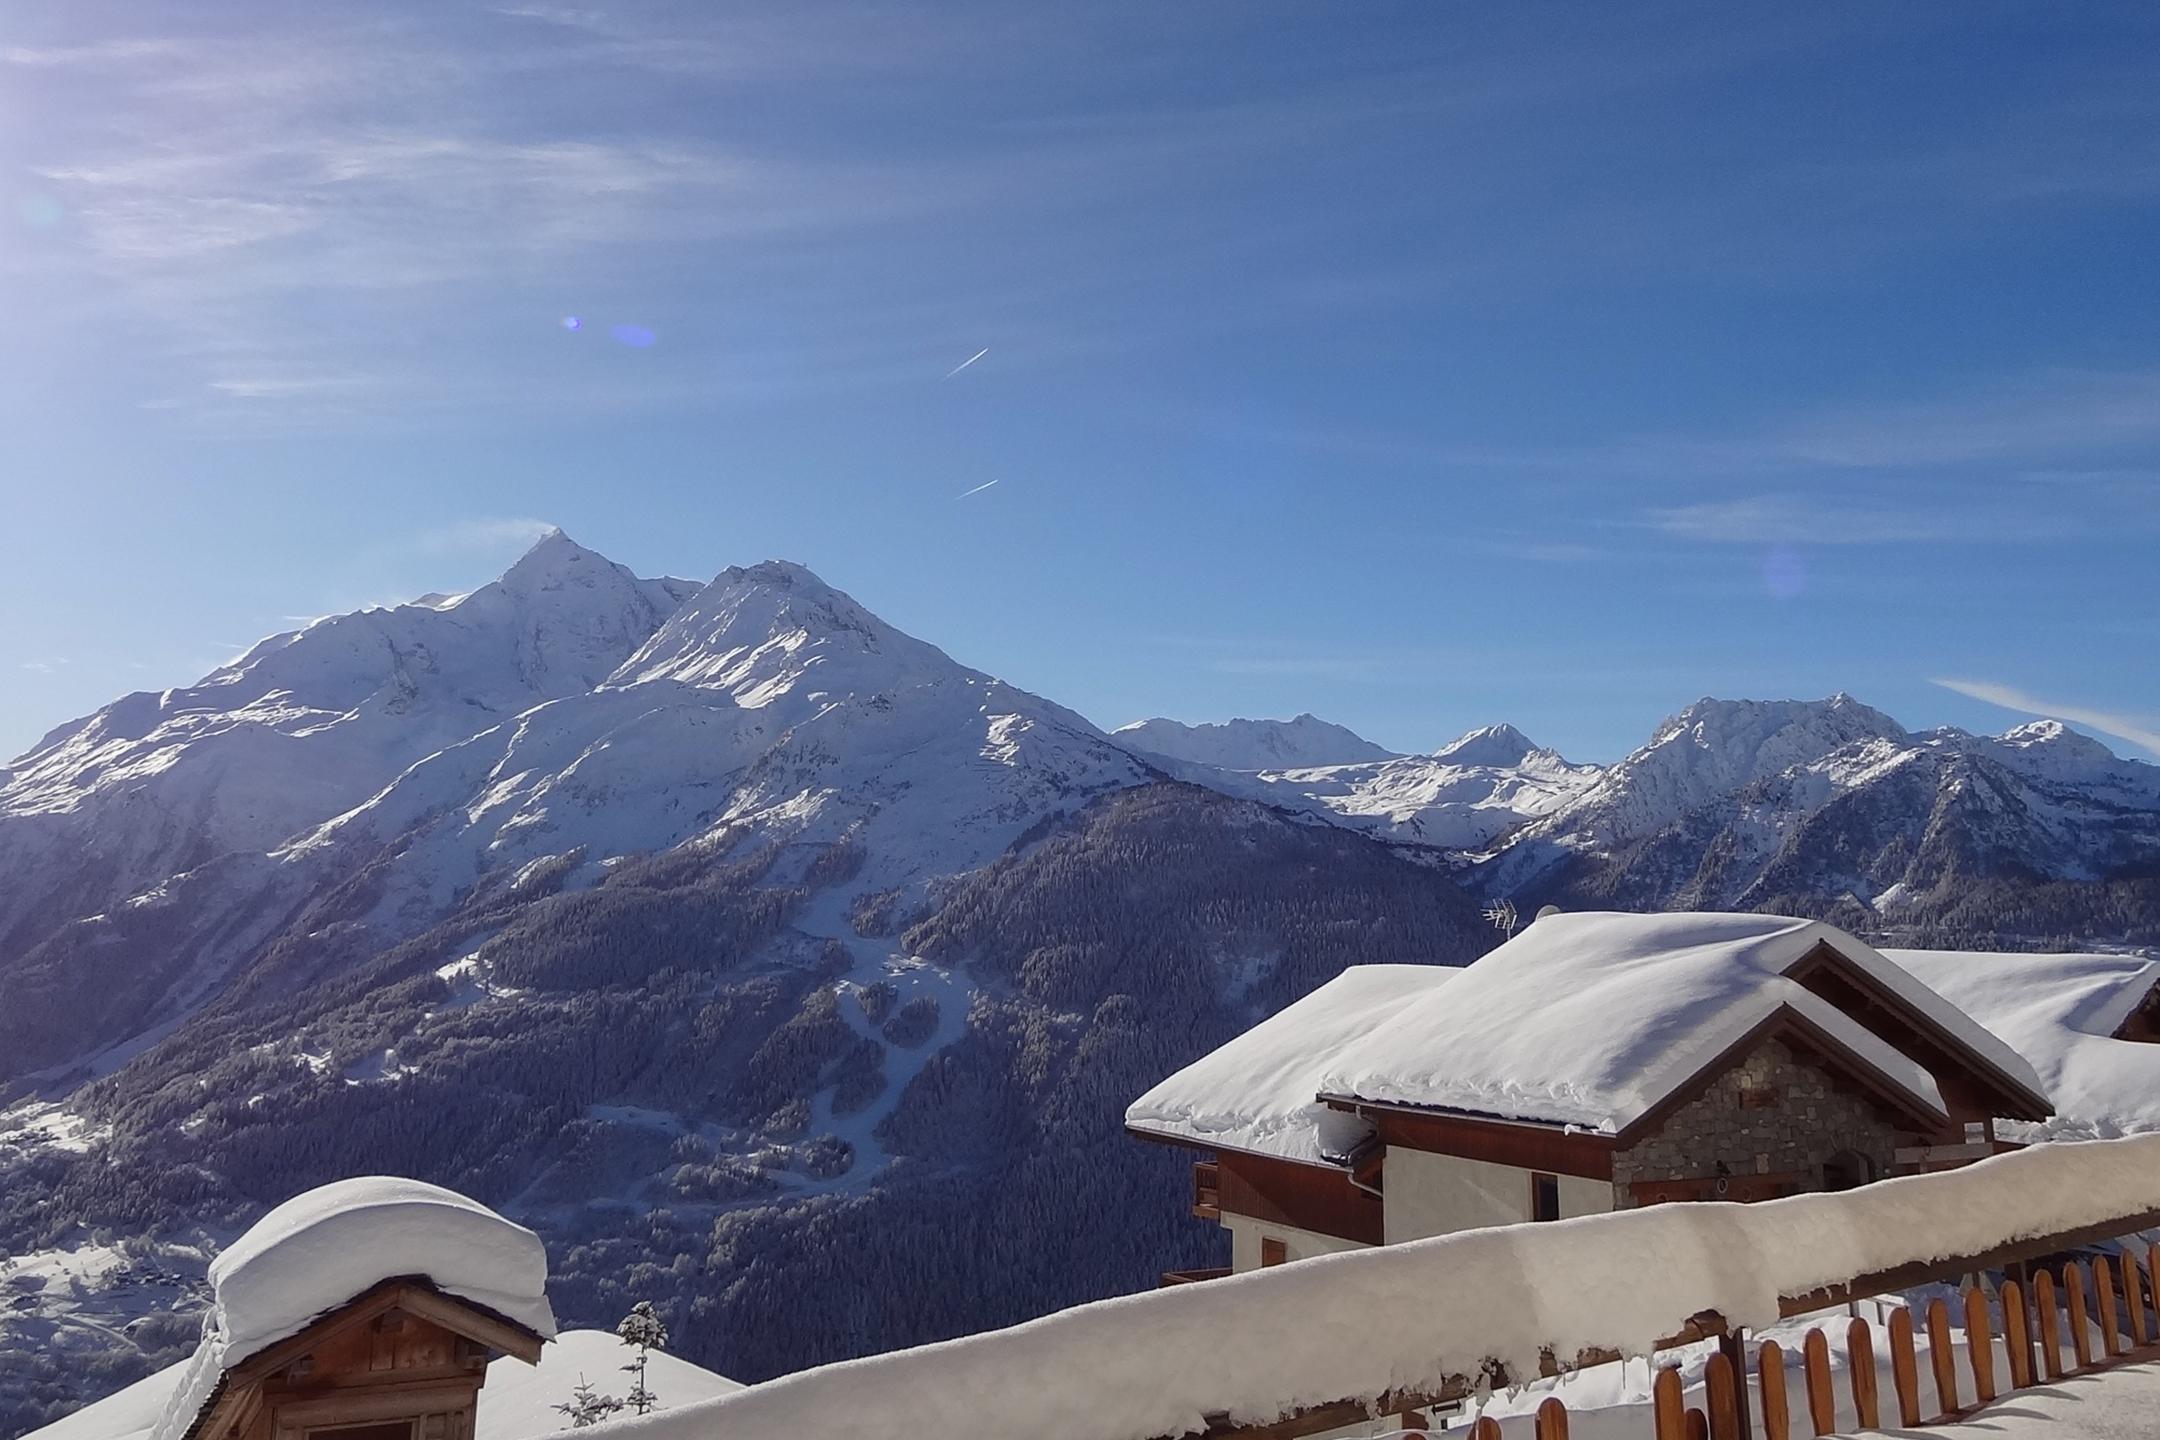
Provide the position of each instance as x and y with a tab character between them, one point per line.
643	1328
587	1406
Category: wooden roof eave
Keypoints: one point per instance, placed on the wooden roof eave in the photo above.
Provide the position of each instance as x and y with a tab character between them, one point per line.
237	1387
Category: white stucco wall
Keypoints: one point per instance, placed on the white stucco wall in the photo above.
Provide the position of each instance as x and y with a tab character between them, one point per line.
1246	1234
1429	1194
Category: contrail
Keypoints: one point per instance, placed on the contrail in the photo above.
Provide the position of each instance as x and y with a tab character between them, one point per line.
967	362
977	490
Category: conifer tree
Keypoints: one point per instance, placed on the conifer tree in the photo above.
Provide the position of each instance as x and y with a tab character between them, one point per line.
643	1328
587	1407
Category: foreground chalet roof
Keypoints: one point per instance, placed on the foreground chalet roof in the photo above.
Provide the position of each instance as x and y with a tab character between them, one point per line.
2063	1013
1586	1020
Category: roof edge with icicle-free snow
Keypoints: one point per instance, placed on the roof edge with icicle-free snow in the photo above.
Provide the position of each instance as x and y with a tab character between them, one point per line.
1587	1020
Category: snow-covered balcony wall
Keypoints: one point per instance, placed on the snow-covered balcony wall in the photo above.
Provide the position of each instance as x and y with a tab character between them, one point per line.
1377	1325
369	1308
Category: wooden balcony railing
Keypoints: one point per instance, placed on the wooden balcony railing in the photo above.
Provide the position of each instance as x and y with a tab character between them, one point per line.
1190	1277
1206	1191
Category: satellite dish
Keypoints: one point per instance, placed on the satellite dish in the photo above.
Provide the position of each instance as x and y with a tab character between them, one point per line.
1544	910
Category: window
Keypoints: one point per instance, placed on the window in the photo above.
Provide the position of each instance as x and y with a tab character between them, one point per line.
1544	1197
1273	1251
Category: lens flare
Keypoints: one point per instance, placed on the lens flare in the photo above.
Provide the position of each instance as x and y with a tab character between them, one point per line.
40	210
571	322
637	337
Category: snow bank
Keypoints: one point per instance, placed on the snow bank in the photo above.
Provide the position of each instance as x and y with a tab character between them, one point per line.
318	1250
2061	1013
322	1248
1359	1324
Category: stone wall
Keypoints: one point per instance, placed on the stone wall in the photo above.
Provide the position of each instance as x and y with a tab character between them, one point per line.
1772	1114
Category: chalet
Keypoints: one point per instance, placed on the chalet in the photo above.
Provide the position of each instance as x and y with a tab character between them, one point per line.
1593	1062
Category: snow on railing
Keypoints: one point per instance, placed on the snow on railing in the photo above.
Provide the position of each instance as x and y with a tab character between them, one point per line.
1416	1319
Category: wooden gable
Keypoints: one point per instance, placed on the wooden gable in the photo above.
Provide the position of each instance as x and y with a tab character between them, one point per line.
402	1361
1972	1085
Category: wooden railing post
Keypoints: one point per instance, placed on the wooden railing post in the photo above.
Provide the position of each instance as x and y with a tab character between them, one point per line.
2134	1300
1942	1358
1815	1364
2080	1336
1980	1344
1860	1354
1721	1396
1668	1405
1770	1386
1904	1367
1552	1419
2017	1336
2051	1364
2111	1336
1485	1428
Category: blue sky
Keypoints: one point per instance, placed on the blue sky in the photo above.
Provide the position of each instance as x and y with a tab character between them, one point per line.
1420	365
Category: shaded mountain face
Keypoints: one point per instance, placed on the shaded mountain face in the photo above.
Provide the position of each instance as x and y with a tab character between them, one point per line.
1251	744
2040	836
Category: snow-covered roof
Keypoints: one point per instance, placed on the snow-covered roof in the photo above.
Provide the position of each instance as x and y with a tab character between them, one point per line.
518	1402
1260	1092
2061	1013
327	1246
1587	1020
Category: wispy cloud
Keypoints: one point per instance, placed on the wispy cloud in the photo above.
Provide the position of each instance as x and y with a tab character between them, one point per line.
1835	519
485	533
1544	552
2138	731
42	667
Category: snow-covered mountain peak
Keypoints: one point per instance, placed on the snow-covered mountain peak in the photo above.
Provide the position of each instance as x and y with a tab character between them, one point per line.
1303	742
754	632
1497	745
1712	749
307	724
2049	750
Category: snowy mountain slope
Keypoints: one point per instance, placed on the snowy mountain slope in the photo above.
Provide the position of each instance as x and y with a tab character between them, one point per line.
770	709
1463	796
304	726
1830	808
1241	744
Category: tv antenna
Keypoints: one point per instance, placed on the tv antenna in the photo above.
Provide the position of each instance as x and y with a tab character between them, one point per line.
1502	917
